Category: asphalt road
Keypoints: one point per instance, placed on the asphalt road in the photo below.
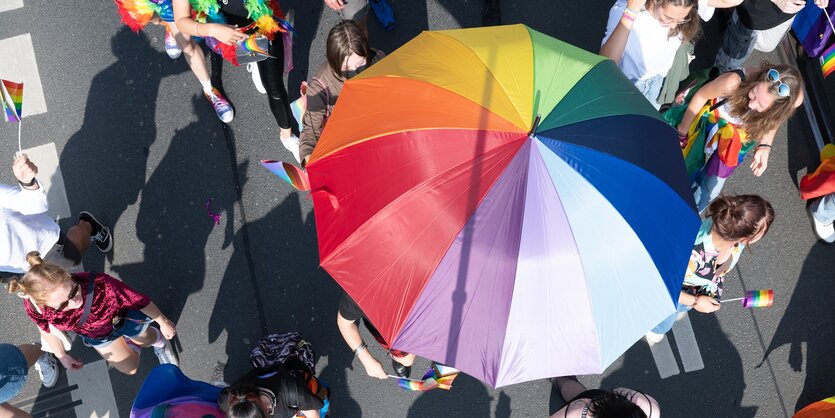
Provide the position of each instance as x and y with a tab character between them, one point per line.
141	149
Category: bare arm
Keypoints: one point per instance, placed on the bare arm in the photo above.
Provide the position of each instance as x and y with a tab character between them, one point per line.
185	24
69	362
614	46
165	325
351	334
721	86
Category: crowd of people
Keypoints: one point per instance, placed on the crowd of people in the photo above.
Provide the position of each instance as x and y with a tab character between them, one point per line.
721	114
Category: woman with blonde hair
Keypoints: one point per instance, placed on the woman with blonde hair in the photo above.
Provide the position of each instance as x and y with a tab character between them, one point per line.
98	308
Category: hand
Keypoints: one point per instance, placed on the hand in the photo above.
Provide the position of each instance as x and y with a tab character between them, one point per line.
822	3
335	4
167	328
634	4
24	169
70	362
790	6
374	369
227	34
760	160
707	304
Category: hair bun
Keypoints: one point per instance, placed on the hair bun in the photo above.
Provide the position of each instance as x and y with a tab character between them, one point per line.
34	258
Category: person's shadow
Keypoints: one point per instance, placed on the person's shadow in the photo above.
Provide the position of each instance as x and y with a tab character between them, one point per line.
808	319
104	163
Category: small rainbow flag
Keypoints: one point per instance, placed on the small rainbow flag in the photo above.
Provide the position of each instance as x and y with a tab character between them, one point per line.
12	97
822	181
251	45
289	173
828	61
437	377
758	298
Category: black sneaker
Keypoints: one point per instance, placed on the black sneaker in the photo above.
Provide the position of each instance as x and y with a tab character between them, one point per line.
100	235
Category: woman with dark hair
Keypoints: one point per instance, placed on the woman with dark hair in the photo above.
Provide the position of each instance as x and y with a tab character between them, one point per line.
287	390
348	53
731	223
597	403
643	36
726	118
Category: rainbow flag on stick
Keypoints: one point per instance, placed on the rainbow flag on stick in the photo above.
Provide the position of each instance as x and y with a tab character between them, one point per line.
12	96
828	61
437	377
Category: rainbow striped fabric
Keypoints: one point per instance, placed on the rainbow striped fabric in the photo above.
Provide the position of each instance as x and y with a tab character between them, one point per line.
438	376
822	181
758	298
12	97
828	61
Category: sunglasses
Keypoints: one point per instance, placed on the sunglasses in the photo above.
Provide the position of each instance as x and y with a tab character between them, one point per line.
70	296
783	89
667	20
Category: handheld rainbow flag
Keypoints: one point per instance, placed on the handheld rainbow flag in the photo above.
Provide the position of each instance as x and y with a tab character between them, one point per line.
438	376
828	61
822	181
12	100
289	173
251	45
756	298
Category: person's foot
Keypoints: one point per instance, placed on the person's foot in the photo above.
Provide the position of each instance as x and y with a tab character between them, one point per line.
47	367
166	354
172	48
256	77
401	370
292	144
222	108
100	234
653	338
826	232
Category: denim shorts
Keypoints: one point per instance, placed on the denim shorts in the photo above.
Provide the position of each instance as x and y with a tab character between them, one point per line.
13	371
135	323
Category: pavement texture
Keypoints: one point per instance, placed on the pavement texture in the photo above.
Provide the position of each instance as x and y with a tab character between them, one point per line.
141	149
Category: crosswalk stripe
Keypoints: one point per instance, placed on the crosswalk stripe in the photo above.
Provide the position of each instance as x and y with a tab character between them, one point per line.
49	174
688	348
95	391
6	5
665	361
19	65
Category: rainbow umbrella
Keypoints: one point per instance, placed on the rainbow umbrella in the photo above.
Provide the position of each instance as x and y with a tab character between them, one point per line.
819	409
503	202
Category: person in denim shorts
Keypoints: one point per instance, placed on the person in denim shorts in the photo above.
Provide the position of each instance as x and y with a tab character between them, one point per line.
15	362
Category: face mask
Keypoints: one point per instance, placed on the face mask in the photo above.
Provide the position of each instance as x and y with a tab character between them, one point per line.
351	73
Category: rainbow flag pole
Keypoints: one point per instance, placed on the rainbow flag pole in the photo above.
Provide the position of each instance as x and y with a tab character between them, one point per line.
12	99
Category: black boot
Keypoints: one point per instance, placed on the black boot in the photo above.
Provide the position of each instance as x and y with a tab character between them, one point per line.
401	370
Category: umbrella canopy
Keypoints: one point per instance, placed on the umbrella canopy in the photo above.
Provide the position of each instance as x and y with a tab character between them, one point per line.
819	409
503	202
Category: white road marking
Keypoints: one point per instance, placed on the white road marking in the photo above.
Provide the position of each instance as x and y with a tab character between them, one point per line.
94	391
19	65
688	348
49	174
6	5
665	361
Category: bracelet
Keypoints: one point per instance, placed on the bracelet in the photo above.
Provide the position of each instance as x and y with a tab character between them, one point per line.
630	14
627	17
30	184
764	146
197	31
359	349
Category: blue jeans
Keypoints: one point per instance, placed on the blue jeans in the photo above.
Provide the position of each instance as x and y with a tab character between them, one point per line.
651	89
667	324
705	189
13	371
823	209
133	324
737	45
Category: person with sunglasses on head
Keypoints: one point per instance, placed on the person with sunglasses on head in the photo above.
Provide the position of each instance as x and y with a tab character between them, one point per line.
737	112
731	223
643	36
15	362
104	312
27	227
753	19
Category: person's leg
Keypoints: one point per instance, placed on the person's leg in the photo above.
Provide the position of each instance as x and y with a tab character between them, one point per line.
194	56
120	356
8	411
737	45
406	360
80	235
151	336
568	386
667	324
272	76
707	188
32	352
823	215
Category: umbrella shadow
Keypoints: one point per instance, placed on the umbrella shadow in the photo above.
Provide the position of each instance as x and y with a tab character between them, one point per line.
639	372
807	319
448	403
119	122
285	291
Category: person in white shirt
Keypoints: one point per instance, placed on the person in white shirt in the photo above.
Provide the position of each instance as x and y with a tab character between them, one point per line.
25	227
642	37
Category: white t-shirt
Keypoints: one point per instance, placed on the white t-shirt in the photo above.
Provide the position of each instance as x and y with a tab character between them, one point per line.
24	227
705	10
648	52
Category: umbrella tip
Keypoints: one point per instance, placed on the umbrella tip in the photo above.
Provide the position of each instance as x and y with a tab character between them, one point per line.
535	125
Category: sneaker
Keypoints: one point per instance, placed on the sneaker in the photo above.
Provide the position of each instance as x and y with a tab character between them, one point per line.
100	234
292	145
223	109
826	232
172	48
653	338
47	367
256	77
166	354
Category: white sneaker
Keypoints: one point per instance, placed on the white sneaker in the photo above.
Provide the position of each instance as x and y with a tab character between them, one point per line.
826	232
166	354
172	48
653	338
47	367
292	145
256	77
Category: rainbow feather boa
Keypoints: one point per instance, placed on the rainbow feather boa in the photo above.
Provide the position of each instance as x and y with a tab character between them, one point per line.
263	12
137	13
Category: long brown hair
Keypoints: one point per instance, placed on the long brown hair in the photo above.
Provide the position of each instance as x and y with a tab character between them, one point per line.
757	124
739	217
41	279
344	39
688	31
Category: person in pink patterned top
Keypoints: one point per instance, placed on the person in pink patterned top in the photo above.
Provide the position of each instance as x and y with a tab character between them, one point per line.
107	314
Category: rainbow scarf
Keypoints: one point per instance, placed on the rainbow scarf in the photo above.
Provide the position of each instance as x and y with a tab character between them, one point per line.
266	15
822	181
711	134
11	94
138	13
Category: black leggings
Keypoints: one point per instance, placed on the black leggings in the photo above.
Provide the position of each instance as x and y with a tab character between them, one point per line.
272	76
